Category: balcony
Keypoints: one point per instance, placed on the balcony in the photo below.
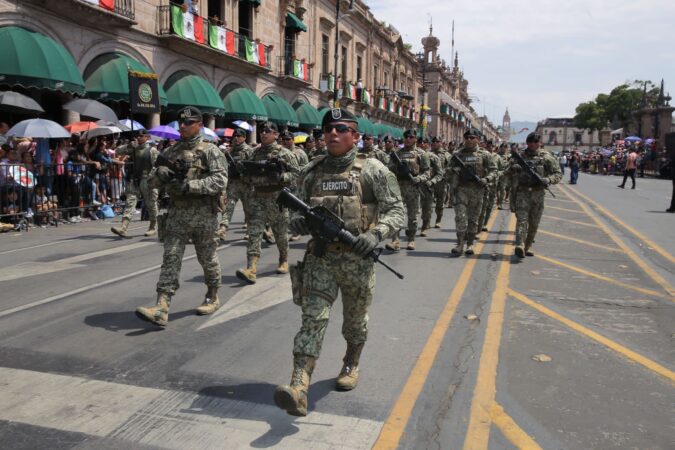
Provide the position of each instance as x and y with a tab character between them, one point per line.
294	72
99	13
211	43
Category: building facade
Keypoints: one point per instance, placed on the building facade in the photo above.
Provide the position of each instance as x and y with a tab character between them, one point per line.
560	134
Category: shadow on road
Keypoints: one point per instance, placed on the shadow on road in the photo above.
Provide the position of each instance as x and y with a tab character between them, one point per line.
127	320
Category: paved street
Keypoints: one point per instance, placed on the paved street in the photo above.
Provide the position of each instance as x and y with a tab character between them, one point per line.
573	348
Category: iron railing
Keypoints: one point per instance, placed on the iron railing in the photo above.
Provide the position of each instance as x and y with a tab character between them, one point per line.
294	68
124	8
238	51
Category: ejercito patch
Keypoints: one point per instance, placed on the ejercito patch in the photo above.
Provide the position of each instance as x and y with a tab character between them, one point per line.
338	186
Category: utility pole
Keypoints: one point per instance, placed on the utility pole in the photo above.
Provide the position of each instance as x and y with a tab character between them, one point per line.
336	101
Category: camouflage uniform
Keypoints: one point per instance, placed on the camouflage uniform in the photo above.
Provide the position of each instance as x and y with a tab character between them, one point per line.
375	152
489	194
441	187
237	188
142	158
263	207
528	196
468	194
301	156
428	189
420	168
317	151
193	215
503	183
374	203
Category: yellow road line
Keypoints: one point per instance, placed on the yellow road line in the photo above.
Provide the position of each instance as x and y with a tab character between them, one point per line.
628	353
564	209
558	199
394	426
511	430
546	216
604	278
480	420
634	256
639	235
580	241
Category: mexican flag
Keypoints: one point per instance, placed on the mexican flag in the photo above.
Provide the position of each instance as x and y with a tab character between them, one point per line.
299	69
217	38
352	91
229	42
365	96
187	25
381	103
261	54
252	52
106	4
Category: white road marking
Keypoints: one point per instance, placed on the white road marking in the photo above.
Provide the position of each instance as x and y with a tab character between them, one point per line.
169	419
95	285
268	291
33	268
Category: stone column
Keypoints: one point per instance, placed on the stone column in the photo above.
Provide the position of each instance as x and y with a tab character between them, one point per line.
154	121
210	121
254	132
70	116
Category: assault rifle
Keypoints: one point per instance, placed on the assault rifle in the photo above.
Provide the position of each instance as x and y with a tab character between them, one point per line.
234	168
179	168
402	169
530	171
469	174
268	168
325	227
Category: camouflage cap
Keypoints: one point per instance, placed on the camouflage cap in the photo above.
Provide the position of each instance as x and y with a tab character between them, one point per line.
269	125
239	132
190	113
472	132
338	115
410	133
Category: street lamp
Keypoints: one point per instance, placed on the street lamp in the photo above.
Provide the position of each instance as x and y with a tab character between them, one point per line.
421	60
336	101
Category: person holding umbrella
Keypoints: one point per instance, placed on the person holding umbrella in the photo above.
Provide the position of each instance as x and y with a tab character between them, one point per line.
141	158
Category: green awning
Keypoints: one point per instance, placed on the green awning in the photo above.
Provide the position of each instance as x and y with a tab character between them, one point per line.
279	111
107	78
308	116
323	111
294	22
32	59
366	126
243	104
185	89
381	129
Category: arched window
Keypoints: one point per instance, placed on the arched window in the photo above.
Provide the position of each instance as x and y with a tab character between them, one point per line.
552	138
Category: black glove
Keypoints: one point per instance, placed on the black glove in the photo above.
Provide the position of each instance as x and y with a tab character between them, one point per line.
545	182
299	226
483	182
365	243
164	174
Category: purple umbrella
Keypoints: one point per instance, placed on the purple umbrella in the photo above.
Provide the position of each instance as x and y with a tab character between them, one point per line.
165	131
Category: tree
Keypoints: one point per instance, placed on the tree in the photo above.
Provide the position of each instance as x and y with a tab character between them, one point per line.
617	107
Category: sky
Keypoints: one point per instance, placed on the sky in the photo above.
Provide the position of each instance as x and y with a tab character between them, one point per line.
541	58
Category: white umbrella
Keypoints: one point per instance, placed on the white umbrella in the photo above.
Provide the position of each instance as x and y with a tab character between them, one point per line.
209	134
91	108
38	128
14	102
243	124
101	131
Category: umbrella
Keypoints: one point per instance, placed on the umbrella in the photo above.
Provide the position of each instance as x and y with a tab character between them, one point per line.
224	132
649	141
38	128
209	134
165	131
91	108
632	139
14	102
105	123
243	124
127	123
175	125
79	127
22	176
101	131
300	139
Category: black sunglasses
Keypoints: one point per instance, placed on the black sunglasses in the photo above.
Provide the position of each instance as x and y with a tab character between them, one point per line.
268	130
340	128
188	122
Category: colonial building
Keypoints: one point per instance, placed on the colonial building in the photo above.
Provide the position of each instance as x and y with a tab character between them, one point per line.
652	120
506	126
560	134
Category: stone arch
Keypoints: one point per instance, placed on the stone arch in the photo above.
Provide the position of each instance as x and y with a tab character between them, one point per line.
231	83
20	20
300	98
179	65
271	90
104	46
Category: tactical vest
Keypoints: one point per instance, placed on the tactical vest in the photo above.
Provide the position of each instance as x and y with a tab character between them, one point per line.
195	159
537	163
142	162
474	163
237	156
263	184
411	158
342	194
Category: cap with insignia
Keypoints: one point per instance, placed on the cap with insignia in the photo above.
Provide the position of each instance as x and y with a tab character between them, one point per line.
533	137
239	132
435	140
387	138
190	113
286	135
338	115
409	133
319	135
269	125
367	136
142	132
472	132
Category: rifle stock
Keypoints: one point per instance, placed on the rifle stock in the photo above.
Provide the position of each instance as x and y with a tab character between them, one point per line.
530	171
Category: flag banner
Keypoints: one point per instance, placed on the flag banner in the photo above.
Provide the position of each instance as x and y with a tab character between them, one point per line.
107	4
262	60
183	24
365	96
348	91
143	92
250	54
217	38
199	30
229	42
305	71
297	68
352	88
331	83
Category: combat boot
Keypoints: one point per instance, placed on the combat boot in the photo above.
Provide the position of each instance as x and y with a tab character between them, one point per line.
349	375
211	302
283	263
222	232
459	248
519	251
425	227
122	229
411	243
394	245
158	314
152	229
292	397
248	274
528	245
438	225
470	237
